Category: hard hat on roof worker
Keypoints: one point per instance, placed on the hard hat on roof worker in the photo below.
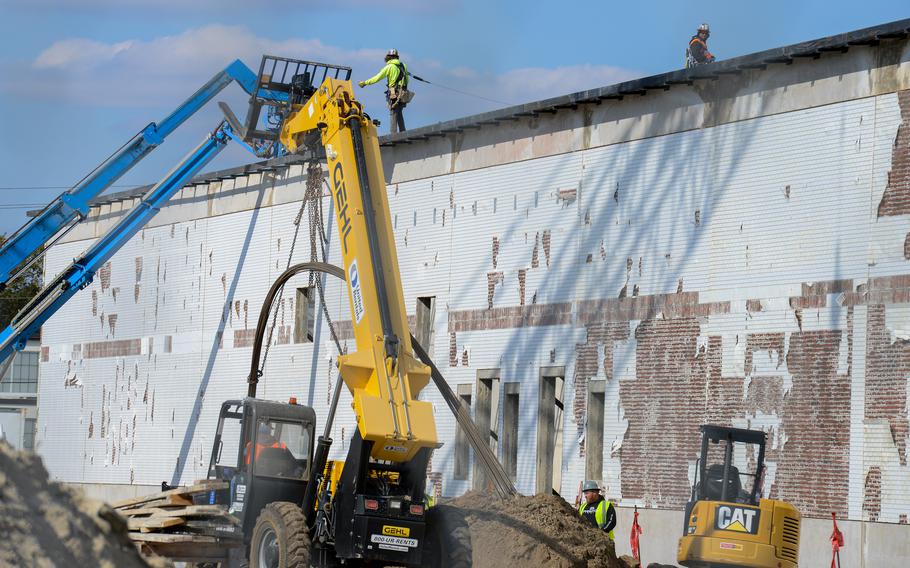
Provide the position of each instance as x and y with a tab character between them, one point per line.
397	96
697	52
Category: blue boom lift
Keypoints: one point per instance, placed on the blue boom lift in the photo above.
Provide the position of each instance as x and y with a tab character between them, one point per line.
267	89
64	212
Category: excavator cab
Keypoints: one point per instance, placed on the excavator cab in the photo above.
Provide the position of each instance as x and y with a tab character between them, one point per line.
717	477
727	523
264	450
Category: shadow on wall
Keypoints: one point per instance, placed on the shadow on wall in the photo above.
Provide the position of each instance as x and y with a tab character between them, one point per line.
694	177
216	343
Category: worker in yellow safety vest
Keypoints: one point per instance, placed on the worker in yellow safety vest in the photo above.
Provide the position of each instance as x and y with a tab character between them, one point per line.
597	510
397	95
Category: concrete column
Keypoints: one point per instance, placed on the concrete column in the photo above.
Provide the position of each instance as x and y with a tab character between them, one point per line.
594	430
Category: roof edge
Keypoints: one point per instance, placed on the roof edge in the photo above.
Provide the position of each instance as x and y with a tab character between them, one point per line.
839	43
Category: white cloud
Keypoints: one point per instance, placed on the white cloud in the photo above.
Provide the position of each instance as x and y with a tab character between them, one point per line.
79	51
162	71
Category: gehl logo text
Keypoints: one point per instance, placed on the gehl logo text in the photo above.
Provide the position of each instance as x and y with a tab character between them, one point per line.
341	204
737	519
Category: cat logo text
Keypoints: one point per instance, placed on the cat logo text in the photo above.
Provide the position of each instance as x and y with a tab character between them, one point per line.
737	519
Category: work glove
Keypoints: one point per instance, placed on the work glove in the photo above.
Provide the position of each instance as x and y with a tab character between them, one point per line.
360	83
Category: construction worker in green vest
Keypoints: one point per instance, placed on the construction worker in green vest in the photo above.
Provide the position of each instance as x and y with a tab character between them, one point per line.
597	510
397	95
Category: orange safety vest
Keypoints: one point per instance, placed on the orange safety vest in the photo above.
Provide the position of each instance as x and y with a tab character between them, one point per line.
696	39
259	448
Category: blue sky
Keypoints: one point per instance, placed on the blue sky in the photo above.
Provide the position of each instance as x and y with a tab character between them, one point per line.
80	77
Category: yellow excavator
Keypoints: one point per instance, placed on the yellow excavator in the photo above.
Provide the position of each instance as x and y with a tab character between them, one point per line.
727	523
295	507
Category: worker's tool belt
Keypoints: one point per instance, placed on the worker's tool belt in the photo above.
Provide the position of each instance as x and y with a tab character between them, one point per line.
400	96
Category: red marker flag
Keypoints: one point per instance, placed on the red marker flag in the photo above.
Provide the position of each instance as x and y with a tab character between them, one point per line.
837	542
633	538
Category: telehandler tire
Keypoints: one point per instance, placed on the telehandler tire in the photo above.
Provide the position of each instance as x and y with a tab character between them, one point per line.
448	538
280	538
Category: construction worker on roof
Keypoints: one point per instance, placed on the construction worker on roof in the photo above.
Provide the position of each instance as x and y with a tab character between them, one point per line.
397	95
597	510
697	53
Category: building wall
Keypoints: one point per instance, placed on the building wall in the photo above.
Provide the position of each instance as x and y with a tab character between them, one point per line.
745	267
18	397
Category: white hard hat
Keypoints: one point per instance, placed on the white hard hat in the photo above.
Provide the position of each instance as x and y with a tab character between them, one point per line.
704	28
392	53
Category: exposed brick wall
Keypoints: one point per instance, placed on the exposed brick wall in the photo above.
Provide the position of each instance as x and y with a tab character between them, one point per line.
104	276
522	277
896	199
545	241
887	369
244	337
665	403
493	279
453	348
98	349
882	290
679	385
599	338
813	466
872	494
685	304
771	342
513	316
344	329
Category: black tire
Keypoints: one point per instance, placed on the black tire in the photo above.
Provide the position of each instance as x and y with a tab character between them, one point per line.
448	538
280	538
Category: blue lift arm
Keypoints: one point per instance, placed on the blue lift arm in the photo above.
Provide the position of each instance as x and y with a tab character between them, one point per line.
81	272
62	213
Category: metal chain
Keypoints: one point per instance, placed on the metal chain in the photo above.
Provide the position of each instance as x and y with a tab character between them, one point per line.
268	343
317	229
312	197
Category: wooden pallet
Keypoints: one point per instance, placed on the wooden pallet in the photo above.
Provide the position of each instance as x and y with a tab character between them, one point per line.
178	496
169	524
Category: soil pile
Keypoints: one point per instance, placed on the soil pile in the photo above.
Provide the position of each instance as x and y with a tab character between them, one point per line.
46	524
541	530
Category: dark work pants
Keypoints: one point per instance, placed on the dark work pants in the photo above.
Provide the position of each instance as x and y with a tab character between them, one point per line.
396	119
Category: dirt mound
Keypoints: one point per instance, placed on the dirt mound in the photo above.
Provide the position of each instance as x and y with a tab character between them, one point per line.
45	524
542	530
